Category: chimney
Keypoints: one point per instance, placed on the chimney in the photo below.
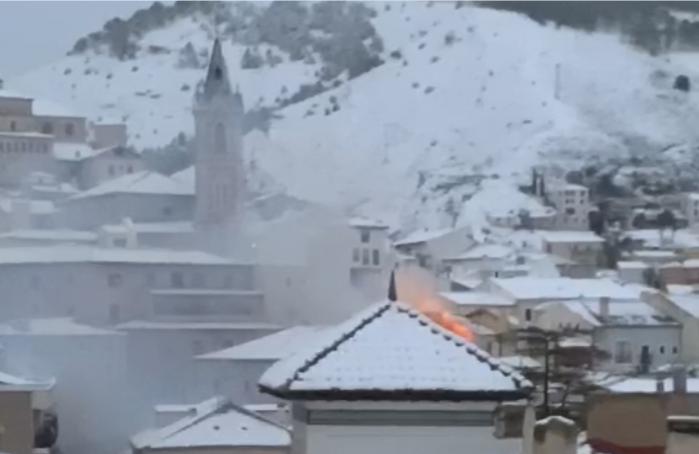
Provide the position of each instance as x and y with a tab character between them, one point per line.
679	380
392	294
555	435
604	307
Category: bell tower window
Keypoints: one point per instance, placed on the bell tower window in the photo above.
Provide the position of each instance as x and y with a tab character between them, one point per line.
218	74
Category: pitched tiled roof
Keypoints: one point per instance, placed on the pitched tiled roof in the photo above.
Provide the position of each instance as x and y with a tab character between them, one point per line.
392	352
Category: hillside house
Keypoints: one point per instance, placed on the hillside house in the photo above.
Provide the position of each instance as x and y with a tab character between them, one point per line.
637	337
690	208
529	292
430	247
390	379
582	247
684	309
371	255
572	203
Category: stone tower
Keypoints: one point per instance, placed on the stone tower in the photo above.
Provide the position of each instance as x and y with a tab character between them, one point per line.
218	129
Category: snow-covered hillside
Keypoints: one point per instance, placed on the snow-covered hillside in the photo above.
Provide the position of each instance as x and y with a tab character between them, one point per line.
465	95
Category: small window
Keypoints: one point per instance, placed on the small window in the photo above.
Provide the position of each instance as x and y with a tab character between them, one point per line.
114	280
528	315
218	73
662	349
47	128
176	279
674	349
365	236
70	129
119	242
355	255
13	125
167	211
365	256
375	256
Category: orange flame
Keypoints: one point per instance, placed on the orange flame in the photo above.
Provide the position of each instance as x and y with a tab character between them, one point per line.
417	288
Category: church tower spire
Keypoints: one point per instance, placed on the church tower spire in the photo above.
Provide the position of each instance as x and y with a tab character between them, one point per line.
218	128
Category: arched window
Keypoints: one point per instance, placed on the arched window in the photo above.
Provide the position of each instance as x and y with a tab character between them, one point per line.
47	128
70	129
220	139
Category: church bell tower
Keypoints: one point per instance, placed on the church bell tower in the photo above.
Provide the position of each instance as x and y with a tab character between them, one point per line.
218	129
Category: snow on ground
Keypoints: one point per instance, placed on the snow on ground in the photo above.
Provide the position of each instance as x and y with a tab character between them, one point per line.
468	95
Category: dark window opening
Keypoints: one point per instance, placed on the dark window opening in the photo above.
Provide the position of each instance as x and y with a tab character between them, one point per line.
114	280
47	128
218	73
528	315
375	256
365	236
70	129
176	279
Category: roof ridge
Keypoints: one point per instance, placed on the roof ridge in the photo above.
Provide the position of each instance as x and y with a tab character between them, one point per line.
333	346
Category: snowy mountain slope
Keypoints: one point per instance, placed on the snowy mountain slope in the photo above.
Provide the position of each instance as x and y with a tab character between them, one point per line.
464	94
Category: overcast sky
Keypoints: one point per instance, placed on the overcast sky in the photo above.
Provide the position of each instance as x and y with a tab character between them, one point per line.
35	33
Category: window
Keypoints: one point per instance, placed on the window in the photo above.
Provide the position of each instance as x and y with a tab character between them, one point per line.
119	242
622	352
13	125
662	349
365	256
674	349
365	236
570	211
70	129
114	280
167	211
220	138
176	279
355	255
528	315
47	128
375	256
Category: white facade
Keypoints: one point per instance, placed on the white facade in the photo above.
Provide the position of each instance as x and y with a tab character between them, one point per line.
572	204
380	428
690	207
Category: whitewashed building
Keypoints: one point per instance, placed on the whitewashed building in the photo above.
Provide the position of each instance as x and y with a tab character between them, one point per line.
637	337
572	202
391	380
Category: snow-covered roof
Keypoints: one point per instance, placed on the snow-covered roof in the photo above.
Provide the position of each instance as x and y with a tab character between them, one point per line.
524	288
477	299
390	351
225	425
151	227
571	236
37	207
422	236
631	265
144	182
66	253
27	134
691	263
650	254
484	251
367	223
272	347
647	385
68	151
688	303
186	177
60	326
9	381
50	235
653	238
148	325
620	313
